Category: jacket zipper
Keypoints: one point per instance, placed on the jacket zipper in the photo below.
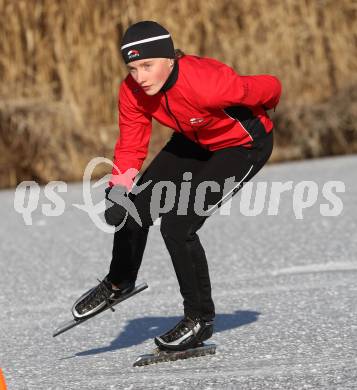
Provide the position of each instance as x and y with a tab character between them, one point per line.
177	122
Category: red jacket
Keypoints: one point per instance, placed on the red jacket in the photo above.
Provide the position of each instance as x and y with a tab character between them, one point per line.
206	100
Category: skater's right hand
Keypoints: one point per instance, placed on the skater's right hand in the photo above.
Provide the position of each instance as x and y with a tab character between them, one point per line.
114	212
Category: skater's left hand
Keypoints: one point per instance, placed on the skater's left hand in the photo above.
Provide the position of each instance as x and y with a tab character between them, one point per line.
115	213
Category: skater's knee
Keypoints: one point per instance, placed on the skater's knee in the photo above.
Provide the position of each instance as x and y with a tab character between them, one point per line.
171	228
180	227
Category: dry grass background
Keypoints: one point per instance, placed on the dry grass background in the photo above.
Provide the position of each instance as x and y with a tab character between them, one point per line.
60	70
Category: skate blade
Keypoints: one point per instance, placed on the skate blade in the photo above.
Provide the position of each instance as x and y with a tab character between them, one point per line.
77	321
159	355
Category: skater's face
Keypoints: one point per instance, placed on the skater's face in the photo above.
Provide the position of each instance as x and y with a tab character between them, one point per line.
151	73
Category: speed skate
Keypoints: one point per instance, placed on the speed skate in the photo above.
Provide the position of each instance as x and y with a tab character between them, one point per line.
75	322
159	355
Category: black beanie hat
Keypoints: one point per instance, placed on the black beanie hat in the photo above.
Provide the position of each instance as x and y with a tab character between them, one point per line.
146	39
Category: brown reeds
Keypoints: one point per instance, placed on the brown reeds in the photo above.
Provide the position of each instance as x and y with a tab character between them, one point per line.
60	70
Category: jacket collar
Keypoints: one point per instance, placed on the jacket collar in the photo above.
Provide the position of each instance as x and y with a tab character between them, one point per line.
171	80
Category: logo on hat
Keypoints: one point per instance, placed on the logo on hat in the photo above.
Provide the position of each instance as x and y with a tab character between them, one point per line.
133	53
194	121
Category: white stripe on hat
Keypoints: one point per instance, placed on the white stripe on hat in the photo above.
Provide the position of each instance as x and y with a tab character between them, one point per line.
145	40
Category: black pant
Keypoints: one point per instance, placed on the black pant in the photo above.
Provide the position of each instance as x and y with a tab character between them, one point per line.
179	226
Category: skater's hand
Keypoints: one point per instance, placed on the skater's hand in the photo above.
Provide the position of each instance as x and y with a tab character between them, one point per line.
115	213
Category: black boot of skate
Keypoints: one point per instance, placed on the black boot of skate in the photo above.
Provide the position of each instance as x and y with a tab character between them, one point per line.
188	333
99	297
